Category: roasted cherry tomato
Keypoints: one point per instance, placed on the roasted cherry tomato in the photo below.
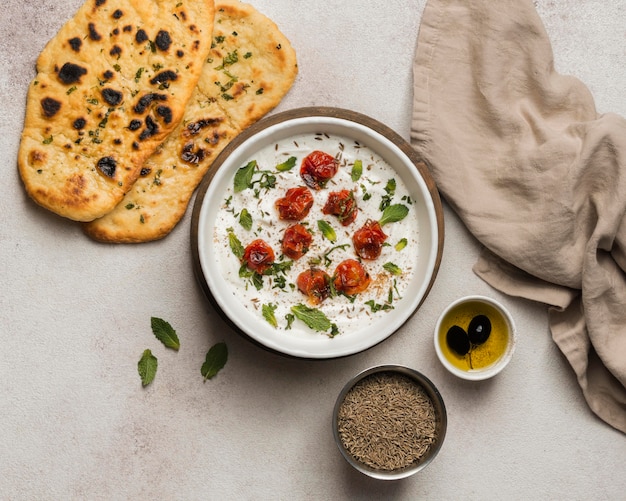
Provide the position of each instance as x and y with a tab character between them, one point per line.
351	278
314	284
296	241
258	255
295	205
368	240
317	169
343	205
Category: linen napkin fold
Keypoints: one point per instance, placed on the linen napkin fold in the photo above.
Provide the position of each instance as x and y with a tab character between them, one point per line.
536	174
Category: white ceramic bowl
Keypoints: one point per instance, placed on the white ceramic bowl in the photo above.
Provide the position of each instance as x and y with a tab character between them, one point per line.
210	199
495	355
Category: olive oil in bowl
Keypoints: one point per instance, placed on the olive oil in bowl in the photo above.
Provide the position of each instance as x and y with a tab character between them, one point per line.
475	337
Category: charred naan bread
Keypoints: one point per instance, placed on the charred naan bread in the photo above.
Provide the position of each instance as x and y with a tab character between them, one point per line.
110	87
250	68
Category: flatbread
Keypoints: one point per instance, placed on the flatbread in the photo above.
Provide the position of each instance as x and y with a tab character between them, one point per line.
250	68
110	87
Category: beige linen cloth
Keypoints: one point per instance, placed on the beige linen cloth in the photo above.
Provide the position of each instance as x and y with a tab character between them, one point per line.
535	173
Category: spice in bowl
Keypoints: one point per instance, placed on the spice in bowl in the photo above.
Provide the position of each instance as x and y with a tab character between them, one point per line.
474	337
389	422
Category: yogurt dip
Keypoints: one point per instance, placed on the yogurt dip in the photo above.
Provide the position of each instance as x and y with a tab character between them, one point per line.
248	213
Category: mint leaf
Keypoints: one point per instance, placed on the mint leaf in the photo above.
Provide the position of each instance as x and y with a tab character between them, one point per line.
393	214
357	170
314	319
392	268
215	360
327	230
243	177
268	311
235	245
402	243
165	333
147	367
245	219
286	165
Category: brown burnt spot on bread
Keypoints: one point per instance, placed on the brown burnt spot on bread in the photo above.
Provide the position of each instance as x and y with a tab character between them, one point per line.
191	154
141	36
111	96
152	128
107	166
108	75
79	123
75	43
93	33
165	112
163	40
71	73
116	50
196	127
36	157
100	3
146	100
117	14
50	106
164	77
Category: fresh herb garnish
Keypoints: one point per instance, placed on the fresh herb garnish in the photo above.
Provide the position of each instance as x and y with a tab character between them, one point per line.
327	230
357	170
392	268
165	333
286	165
147	367
235	245
402	243
393	214
375	307
268	311
390	190
245	219
243	176
313	318
215	360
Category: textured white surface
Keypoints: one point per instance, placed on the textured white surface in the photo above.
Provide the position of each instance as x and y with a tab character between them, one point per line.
75	422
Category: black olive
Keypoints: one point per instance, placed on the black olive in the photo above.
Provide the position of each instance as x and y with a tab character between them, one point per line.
479	329
457	340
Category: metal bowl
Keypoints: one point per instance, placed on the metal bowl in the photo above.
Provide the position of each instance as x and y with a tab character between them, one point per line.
440	424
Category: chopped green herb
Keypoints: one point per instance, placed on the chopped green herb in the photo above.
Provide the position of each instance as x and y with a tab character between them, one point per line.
147	367
327	230
313	318
286	165
215	360
268	311
402	243
392	268
243	176
357	170
71	89
393	214
245	219
289	317
375	307
48	140
235	245
165	333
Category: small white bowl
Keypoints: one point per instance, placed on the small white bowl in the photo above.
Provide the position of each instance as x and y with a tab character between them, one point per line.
222	291
488	358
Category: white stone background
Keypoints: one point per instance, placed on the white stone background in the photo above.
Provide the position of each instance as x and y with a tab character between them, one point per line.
75	422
